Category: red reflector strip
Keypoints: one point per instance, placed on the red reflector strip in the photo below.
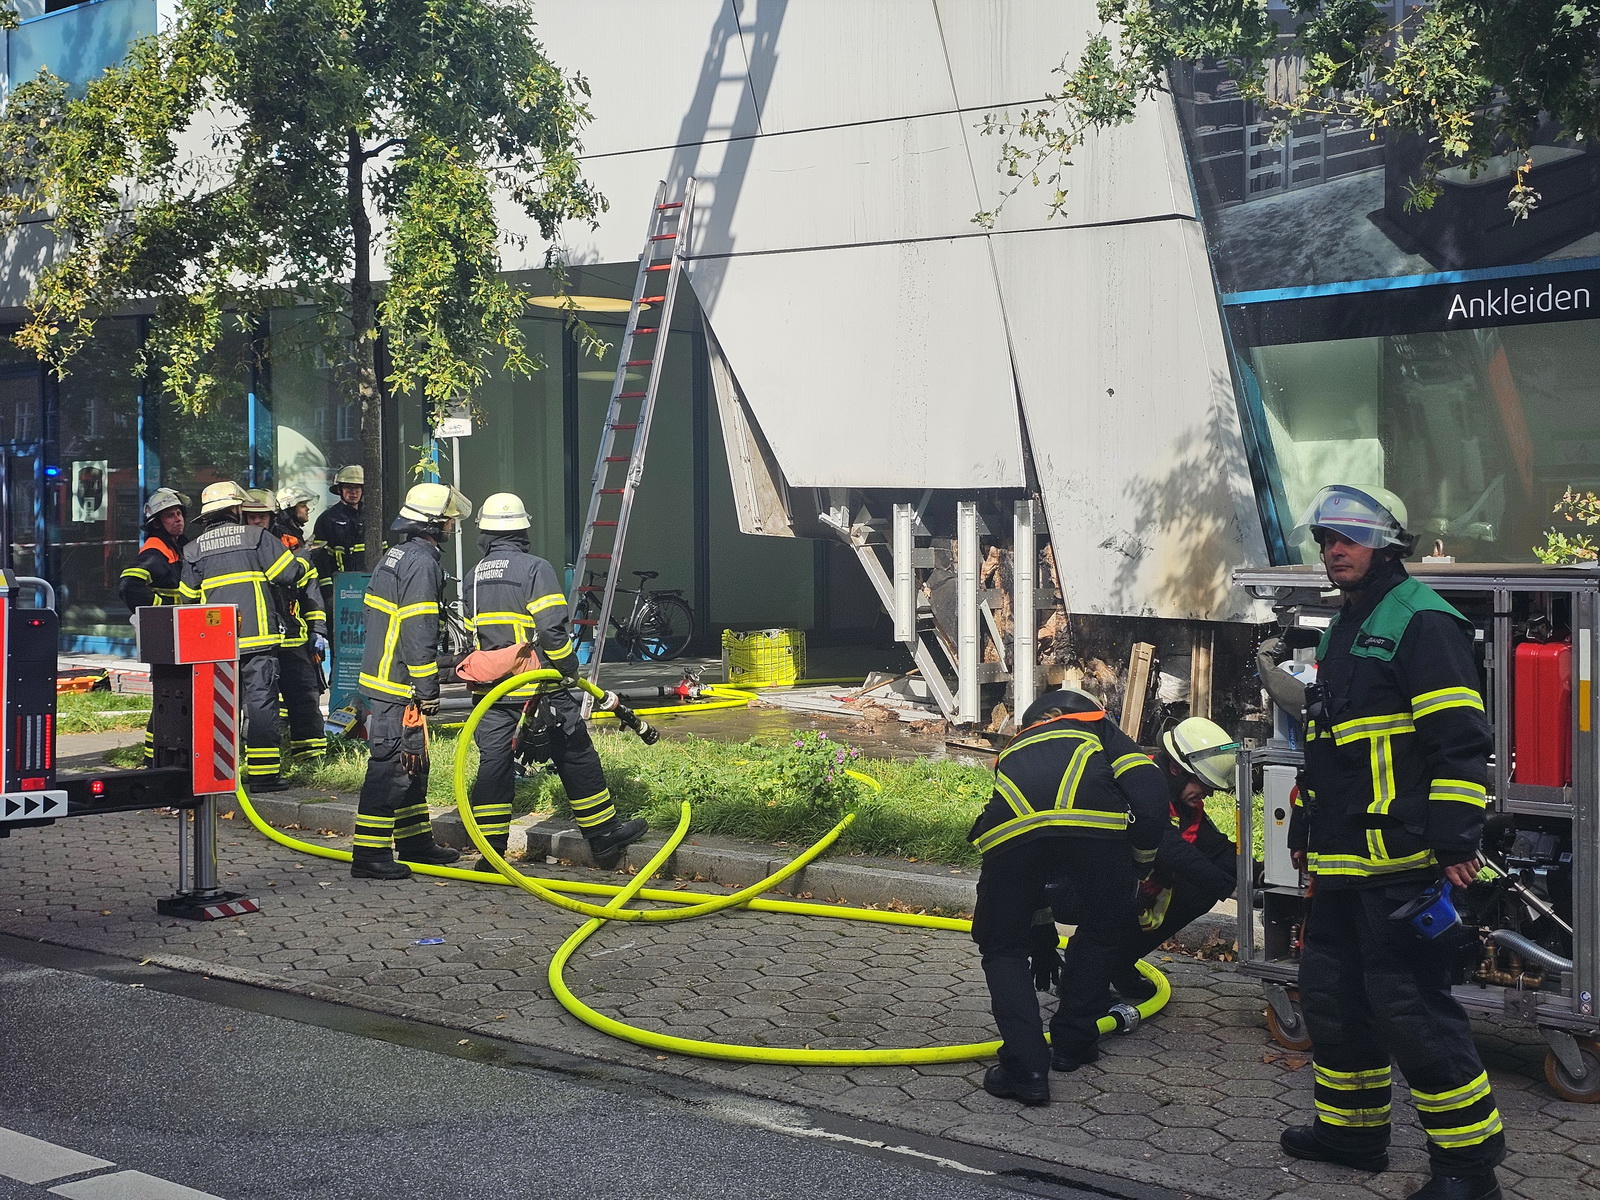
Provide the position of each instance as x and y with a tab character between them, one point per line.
49	740
35	784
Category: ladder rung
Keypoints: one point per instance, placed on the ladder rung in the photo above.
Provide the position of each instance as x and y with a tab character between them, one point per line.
604	524
619	458
662	237
638	362
597	555
633	426
666	266
648	329
611	491
628	396
664	207
652	299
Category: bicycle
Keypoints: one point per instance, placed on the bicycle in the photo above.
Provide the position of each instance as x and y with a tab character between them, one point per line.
454	639
658	627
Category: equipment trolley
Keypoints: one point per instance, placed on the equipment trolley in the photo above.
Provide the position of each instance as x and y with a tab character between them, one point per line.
1537	921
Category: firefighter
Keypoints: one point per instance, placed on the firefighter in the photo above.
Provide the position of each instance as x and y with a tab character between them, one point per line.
231	562
1063	793
1392	798
338	529
399	665
515	596
1195	864
294	510
305	642
156	571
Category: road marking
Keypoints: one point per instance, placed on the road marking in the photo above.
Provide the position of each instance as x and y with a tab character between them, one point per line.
828	1135
128	1185
28	1160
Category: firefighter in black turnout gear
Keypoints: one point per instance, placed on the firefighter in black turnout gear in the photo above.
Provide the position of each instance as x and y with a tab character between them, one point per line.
1071	792
157	571
515	596
342	545
231	562
399	668
1392	798
1196	863
305	640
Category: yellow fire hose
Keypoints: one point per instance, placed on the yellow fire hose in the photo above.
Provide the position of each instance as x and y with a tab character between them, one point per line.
688	904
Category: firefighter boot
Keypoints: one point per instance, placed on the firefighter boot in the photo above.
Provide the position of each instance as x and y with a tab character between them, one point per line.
1302	1141
611	839
1459	1187
367	864
498	845
1132	986
1032	1090
423	849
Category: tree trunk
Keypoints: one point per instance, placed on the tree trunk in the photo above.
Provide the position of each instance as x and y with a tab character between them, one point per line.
363	351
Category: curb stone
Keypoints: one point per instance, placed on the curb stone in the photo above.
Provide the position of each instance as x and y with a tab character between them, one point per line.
877	886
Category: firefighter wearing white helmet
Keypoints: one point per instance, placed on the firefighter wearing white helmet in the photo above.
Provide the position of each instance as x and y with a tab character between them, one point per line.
399	669
1391	800
232	562
343	546
1195	865
155	573
515	596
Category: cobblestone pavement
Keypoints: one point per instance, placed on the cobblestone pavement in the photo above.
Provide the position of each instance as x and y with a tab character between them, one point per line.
1193	1100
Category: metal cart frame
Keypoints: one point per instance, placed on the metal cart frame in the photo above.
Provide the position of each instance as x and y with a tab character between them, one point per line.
1558	1015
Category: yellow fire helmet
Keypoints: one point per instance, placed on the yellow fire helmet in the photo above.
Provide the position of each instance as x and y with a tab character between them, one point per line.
431	502
1204	749
348	476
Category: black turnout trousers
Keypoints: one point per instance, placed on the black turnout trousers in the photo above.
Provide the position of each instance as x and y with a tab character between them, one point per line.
1373	989
572	751
1011	888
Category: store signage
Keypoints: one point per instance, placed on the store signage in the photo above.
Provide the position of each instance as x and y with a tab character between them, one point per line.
1391	307
349	635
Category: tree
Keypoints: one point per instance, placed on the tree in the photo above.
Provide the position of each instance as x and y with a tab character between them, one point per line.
258	153
1477	78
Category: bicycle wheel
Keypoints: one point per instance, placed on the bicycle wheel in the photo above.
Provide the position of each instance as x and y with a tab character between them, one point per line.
663	629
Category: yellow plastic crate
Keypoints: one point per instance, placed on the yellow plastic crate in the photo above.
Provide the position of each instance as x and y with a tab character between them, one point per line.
763	658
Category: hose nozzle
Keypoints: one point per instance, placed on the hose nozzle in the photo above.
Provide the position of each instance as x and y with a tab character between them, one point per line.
648	733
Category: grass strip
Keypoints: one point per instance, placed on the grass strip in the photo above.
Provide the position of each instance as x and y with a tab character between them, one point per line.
771	790
98	712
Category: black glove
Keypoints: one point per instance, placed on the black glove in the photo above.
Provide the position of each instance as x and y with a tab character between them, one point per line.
1044	958
429	707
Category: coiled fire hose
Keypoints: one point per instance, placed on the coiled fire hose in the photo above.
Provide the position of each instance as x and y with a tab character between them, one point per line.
686	905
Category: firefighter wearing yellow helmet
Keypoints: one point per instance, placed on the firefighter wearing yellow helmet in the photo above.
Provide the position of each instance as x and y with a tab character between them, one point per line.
1196	863
399	669
1391	805
343	546
233	562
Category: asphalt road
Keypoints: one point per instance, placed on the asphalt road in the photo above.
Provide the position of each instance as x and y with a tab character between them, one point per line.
122	1082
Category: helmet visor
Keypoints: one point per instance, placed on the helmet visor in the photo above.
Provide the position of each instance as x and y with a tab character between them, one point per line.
1351	514
1212	765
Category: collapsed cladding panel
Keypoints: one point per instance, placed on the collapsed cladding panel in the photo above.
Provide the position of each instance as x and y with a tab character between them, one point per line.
1132	418
871	366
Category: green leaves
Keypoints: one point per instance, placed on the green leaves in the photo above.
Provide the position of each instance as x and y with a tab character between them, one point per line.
1477	78
254	153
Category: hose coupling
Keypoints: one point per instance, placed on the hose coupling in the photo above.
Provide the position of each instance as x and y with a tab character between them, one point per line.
1126	1017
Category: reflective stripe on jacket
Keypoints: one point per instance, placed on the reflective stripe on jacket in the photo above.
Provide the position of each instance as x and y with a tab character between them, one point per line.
156	575
236	564
1076	775
402	623
1397	751
515	596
